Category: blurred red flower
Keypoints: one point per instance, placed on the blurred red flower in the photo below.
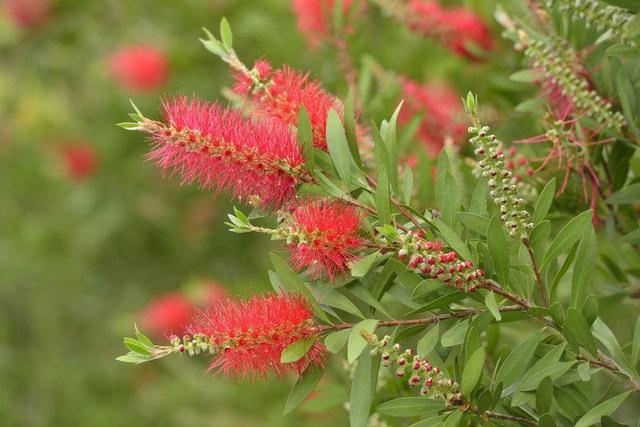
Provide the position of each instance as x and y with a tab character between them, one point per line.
28	13
139	68
80	160
167	314
315	18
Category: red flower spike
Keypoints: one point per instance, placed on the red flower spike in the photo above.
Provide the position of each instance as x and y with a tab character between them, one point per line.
440	110
284	91
252	335
28	13
314	18
258	161
455	28
330	230
139	68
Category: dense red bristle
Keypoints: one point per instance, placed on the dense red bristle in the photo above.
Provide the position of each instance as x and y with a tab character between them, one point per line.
254	333
254	160
285	92
332	228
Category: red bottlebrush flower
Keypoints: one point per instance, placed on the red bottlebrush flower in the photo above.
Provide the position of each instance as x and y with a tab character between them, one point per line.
314	18
28	13
80	160
252	334
139	68
440	106
168	314
258	161
281	94
455	28
327	236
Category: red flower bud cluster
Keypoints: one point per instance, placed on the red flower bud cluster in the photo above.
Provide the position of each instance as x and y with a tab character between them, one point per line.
280	93
139	68
324	237
257	161
441	114
252	334
428	258
456	27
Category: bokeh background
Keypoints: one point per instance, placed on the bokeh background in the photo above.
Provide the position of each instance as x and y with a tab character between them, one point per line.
93	239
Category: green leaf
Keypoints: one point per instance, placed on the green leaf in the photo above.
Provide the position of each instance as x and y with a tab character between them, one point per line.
635	345
472	372
455	335
452	239
136	346
296	350
605	408
454	419
333	298
632	238
336	341
569	234
407	190
492	305
350	128
133	357
361	267
409	407
628	194
362	293
435	421
339	147
548	365
305	138
144	340
474	222
544	396
293	282
450	203
363	387
389	136
518	360
546	420
544	201
478	204
429	341
382	196
581	330
357	343
225	34
302	388
497	243
586	259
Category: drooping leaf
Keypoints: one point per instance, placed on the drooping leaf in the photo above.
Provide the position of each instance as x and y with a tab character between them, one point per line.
409	407
497	243
296	350
492	305
569	234
580	330
302	388
605	408
336	341
356	342
429	341
472	372
584	267
363	387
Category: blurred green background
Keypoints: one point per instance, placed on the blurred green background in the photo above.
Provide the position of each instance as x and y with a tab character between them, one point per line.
81	256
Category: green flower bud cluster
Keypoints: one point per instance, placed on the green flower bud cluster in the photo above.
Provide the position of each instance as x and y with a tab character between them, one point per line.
597	15
558	62
192	345
416	370
502	184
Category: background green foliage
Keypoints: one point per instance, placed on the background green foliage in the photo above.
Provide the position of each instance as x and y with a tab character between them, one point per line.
78	260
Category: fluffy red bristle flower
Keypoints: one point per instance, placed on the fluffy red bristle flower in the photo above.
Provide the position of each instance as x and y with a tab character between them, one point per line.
325	236
280	93
314	17
441	114
80	160
167	314
251	334
455	28
258	161
28	13
139	68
